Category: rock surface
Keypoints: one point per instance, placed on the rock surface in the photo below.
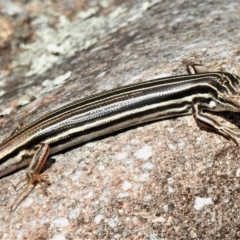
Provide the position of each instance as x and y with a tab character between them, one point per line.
165	180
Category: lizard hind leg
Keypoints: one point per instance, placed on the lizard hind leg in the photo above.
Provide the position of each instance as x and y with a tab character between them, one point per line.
33	176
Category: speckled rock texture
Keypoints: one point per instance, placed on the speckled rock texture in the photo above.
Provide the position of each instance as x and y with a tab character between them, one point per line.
165	180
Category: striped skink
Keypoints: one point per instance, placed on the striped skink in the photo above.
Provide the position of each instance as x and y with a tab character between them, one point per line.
110	111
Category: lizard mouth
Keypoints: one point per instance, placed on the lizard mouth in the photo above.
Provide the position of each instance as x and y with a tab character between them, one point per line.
234	101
